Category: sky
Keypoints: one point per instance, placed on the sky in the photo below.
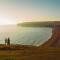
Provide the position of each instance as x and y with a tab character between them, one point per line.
15	11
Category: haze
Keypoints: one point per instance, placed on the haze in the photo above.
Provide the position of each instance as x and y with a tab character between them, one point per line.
15	11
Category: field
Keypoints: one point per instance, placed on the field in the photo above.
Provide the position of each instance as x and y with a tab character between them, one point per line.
30	53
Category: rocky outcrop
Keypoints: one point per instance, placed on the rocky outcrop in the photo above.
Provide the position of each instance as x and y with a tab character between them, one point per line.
54	41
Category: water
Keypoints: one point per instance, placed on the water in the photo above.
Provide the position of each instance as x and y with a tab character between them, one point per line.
25	35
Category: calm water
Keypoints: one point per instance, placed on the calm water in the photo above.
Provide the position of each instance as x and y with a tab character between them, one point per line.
25	35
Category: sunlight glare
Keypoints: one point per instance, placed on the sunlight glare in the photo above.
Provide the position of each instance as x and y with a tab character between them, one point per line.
5	21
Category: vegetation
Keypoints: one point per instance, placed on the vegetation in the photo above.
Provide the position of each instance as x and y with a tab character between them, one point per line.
38	53
40	24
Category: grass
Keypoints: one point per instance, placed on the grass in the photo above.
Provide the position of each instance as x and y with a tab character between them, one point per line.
30	53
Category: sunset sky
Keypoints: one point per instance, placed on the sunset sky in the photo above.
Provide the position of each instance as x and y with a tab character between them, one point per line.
14	11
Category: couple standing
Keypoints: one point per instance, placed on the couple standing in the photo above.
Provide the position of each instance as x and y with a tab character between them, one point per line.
7	41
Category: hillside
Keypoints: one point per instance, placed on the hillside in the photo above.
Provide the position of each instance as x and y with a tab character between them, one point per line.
31	54
40	24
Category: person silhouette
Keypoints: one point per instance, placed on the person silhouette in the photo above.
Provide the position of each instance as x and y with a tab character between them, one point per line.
8	43
5	41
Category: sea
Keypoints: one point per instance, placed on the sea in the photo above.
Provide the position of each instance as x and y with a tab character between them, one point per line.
25	35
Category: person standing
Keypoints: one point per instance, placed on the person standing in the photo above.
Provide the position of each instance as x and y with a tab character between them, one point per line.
5	41
8	43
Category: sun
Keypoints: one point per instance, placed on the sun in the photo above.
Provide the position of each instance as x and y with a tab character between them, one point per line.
5	21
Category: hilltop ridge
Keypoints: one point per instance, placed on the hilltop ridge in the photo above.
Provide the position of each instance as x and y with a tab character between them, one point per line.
40	24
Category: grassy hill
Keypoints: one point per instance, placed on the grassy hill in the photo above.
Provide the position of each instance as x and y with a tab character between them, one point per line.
40	24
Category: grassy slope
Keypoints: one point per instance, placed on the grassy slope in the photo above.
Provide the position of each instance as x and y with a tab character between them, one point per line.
38	53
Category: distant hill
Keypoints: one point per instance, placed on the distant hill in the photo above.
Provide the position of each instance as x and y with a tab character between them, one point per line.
40	24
